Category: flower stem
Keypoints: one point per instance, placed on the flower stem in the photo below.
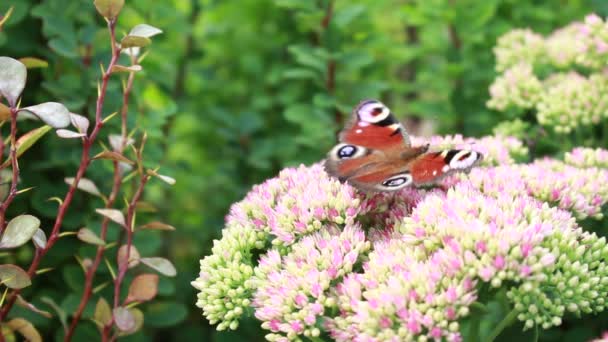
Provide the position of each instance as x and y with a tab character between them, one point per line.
507	321
15	170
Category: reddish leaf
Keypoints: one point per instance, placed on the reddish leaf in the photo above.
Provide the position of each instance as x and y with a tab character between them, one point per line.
144	287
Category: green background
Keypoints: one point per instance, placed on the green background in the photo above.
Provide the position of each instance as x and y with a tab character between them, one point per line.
233	91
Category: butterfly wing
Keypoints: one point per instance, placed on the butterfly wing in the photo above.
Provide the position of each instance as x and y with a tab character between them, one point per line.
375	154
371	147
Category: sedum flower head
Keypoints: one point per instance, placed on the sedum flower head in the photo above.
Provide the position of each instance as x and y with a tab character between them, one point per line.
517	46
593	36
564	45
516	88
496	150
582	191
293	290
298	202
584	157
572	100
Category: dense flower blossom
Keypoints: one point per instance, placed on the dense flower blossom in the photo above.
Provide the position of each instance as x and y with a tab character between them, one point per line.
296	203
593	35
563	46
496	150
408	265
293	290
574	101
587	157
583	191
516	46
422	280
517	87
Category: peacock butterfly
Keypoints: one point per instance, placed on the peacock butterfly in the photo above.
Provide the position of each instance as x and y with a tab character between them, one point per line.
375	154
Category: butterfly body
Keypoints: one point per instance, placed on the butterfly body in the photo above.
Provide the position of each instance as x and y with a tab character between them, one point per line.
375	154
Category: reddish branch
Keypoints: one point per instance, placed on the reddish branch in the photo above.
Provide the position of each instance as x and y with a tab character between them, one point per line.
85	161
15	168
123	265
90	272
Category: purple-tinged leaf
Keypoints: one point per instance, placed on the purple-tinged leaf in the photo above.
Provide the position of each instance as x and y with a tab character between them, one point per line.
67	134
134	256
79	122
14	277
88	236
138	316
39	239
85	185
144	30
143	288
116	142
113	214
124	319
19	231
12	79
52	113
161	265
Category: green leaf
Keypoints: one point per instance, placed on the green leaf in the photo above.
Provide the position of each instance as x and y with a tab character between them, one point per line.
25	328
109	8
144	30
25	304
143	288
88	236
32	62
85	185
12	79
113	214
29	139
53	114
103	313
161	265
134	41
14	277
19	231
124	319
63	317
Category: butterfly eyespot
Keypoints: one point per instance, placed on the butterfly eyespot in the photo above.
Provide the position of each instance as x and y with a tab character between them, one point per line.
397	182
372	111
346	151
464	159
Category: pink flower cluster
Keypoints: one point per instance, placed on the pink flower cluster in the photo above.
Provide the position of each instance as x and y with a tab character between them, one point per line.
408	265
293	290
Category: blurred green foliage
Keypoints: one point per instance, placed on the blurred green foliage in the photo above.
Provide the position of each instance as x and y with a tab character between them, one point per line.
233	91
